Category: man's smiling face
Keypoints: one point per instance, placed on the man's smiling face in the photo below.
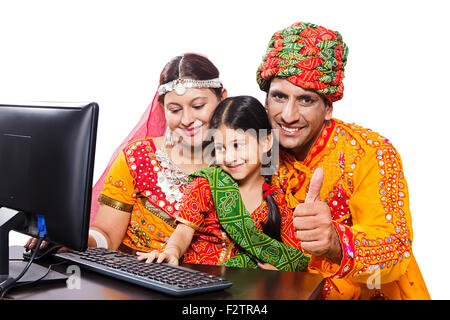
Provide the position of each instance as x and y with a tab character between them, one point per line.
298	114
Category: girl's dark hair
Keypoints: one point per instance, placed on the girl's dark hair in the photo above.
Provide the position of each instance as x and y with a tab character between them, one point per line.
246	112
189	65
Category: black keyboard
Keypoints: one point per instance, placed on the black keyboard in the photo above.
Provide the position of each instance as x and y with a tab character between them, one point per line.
162	277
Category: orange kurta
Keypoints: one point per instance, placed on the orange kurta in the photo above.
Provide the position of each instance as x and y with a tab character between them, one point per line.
365	188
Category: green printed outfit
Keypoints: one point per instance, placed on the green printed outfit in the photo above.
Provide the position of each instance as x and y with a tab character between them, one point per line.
227	234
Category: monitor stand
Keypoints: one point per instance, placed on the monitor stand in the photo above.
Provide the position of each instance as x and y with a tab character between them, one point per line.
9	269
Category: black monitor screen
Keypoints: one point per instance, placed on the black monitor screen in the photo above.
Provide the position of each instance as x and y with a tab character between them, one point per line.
46	166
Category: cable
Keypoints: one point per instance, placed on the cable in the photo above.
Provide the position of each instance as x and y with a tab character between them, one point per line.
34	281
9	283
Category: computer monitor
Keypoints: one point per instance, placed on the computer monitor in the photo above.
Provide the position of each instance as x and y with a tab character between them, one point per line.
46	166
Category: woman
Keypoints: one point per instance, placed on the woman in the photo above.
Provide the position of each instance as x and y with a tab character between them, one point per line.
141	187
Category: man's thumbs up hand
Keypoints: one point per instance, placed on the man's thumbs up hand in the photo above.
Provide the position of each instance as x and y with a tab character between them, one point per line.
315	186
312	221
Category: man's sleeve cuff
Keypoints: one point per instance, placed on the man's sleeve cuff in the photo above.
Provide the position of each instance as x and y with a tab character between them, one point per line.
330	269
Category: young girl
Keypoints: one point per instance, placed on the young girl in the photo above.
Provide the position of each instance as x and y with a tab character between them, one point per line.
231	214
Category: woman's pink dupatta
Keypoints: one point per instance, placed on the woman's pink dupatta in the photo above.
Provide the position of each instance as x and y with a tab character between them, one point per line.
151	124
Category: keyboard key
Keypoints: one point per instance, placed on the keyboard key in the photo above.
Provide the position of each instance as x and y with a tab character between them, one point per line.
174	280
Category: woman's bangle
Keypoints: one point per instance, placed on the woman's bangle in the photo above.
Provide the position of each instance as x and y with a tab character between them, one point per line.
99	238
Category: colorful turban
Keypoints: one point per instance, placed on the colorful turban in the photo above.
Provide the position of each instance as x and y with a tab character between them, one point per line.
307	55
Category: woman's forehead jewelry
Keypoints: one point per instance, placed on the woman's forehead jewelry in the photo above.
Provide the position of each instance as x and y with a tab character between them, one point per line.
180	85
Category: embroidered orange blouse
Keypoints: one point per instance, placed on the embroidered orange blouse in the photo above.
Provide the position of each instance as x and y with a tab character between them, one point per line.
138	183
366	190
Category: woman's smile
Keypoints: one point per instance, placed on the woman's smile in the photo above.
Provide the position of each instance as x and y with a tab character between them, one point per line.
192	131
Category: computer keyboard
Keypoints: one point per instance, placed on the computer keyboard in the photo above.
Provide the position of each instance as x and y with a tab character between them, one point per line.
162	277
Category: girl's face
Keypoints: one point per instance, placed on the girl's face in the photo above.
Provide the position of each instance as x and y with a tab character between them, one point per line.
239	153
188	115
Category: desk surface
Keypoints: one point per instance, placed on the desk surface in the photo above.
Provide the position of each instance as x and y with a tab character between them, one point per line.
248	284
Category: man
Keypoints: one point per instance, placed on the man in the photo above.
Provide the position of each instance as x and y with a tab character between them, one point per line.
345	183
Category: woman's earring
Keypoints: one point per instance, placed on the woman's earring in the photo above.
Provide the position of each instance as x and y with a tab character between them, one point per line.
168	139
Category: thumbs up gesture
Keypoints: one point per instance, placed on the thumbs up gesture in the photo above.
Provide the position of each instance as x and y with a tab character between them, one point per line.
312	222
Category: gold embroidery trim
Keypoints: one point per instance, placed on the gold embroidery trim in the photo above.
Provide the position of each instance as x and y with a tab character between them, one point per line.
230	249
346	216
225	253
188	223
115	204
158	212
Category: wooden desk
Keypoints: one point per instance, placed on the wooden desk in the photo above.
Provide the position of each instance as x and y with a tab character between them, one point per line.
248	284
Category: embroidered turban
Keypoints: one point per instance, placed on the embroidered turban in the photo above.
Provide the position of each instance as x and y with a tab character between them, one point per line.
307	55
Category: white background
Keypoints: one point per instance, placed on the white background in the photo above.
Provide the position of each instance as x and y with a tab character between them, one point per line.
112	52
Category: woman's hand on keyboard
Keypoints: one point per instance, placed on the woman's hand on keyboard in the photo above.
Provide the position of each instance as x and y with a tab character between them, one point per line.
169	257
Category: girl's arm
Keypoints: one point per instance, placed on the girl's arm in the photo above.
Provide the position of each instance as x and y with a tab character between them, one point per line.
176	246
198	192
